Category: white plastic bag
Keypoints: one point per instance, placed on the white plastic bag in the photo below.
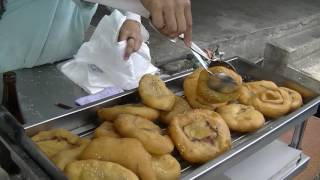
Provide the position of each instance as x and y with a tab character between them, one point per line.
99	62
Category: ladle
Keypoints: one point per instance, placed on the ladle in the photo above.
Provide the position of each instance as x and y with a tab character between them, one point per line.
220	82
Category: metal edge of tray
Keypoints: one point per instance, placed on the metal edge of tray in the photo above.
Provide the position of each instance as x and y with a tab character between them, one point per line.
251	144
21	160
300	166
241	149
94	105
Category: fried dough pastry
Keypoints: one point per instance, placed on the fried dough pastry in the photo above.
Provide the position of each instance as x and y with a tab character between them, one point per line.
213	96
110	114
166	167
241	118
250	89
272	103
53	141
190	91
200	135
127	152
266	97
180	106
52	147
98	170
145	131
67	156
296	98
155	94
106	129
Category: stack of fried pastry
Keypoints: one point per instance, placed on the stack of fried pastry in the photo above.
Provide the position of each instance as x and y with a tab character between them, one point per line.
130	144
199	135
238	117
245	109
272	101
61	146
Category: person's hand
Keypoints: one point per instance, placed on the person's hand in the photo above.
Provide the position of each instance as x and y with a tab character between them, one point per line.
130	31
171	17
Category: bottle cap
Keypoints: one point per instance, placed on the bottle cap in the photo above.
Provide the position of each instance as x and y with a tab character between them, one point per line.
9	76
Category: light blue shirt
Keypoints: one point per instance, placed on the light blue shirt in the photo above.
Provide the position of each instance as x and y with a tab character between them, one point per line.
35	32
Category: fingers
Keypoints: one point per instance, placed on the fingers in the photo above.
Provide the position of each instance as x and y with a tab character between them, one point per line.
188	32
181	20
131	44
123	36
130	32
134	43
137	44
157	17
129	49
170	20
172	17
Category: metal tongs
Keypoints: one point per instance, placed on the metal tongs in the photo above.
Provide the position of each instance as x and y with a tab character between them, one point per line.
217	81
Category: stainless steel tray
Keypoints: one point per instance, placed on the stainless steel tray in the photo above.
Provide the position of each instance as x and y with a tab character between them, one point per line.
83	120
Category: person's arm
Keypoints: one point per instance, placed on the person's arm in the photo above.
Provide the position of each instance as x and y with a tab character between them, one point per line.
134	6
170	17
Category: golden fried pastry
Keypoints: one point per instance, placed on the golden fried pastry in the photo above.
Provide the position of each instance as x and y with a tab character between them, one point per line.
56	134
106	129
110	114
180	106
241	118
98	170
200	135
204	101
303	91
166	167
154	93
249	89
127	152
213	96
190	91
52	147
67	156
53	141
272	103
145	131
296	98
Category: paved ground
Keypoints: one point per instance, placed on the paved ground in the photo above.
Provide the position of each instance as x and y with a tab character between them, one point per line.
229	23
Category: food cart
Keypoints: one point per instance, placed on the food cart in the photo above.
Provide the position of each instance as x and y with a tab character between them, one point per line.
28	162
83	121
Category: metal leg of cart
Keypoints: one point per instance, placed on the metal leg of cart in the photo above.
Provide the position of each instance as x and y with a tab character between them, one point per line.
298	135
296	143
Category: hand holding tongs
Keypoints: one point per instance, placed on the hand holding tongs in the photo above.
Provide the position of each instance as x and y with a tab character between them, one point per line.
217	81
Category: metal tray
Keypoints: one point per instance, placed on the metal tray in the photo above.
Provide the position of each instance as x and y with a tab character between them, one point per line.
83	120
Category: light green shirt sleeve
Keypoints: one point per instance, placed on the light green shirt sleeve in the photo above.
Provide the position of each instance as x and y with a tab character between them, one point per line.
35	32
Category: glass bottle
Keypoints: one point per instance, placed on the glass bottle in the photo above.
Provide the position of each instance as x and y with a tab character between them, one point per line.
10	96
